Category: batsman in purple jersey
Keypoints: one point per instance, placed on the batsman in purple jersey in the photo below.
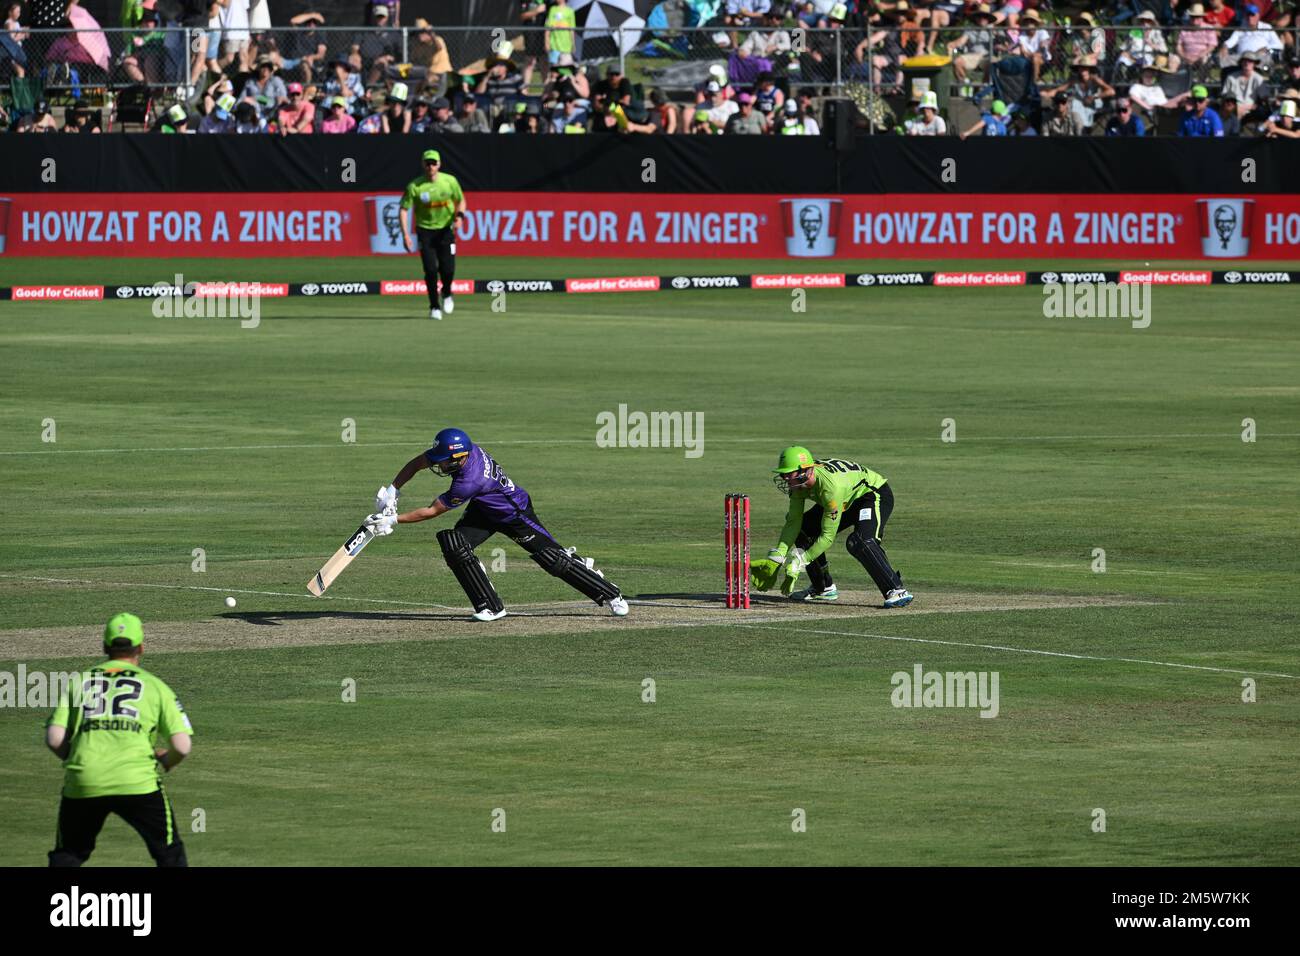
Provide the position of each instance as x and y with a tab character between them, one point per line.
492	503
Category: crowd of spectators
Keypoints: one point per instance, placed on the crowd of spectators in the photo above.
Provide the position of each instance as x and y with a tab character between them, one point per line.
764	65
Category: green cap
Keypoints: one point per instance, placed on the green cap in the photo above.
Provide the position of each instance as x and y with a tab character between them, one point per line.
794	458
1200	93
431	154
121	626
999	108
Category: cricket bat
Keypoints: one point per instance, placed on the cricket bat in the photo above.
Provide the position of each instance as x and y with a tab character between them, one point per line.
341	559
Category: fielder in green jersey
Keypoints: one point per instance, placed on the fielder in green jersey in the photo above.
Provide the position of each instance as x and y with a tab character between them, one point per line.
437	204
845	496
107	729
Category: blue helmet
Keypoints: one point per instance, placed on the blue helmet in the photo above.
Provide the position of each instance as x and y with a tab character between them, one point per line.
451	445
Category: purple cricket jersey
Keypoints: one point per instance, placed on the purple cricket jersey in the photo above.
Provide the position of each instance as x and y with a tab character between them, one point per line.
482	481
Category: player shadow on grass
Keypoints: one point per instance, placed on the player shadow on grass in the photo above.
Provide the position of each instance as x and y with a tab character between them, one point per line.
274	618
713	598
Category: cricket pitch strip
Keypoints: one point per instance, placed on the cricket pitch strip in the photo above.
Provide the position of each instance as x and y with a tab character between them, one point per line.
256	629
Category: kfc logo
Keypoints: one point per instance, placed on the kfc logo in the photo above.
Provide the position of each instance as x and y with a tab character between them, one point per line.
811	226
1225	227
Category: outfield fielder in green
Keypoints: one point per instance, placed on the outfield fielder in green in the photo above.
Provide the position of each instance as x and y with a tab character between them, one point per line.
844	496
104	731
439	204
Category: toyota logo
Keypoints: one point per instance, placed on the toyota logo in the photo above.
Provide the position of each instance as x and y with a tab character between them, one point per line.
496	285
310	288
1233	277
1050	278
681	282
125	291
867	278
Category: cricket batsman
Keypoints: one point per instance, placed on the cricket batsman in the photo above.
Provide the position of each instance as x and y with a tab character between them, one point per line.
105	730
493	503
439	205
845	496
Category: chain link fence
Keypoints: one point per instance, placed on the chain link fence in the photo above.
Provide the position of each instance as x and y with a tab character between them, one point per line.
882	72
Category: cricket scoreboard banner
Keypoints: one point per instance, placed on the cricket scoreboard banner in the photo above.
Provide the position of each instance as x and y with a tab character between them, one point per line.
688	226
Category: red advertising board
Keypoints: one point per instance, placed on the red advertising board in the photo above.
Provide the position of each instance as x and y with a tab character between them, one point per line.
663	226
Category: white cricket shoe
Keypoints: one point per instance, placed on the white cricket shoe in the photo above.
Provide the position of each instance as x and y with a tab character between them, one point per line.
435	314
487	614
618	606
448	305
898	597
832	593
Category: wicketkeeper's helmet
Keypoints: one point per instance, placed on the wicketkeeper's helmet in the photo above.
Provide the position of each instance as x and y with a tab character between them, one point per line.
792	467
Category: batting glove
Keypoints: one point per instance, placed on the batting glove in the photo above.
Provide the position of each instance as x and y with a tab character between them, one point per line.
386	499
381	524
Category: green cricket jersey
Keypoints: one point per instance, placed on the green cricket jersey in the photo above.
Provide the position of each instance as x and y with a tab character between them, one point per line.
124	709
434	200
561	22
839	484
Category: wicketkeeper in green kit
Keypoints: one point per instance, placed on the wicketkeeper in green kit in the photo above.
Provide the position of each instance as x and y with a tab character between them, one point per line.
845	496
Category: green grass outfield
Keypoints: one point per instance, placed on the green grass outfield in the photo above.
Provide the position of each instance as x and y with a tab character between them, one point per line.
1120	691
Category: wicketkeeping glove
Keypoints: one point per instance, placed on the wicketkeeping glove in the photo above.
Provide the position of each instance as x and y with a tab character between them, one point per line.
794	565
763	574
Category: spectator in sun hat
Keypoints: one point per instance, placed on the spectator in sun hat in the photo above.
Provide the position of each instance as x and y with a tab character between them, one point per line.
1062	122
1200	120
1125	122
1247	84
422	114
1284	125
1196	43
1147	94
338	119
663	113
427	58
1139	46
1086	42
344	82
296	115
746	121
992	123
1033	43
266	91
220	120
929	123
970	51
1252	37
1087	93
567	77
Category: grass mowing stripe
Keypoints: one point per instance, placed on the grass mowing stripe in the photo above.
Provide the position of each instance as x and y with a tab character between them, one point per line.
1030	650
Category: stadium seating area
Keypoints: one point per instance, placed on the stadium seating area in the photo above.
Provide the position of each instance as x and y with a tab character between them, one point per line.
706	67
